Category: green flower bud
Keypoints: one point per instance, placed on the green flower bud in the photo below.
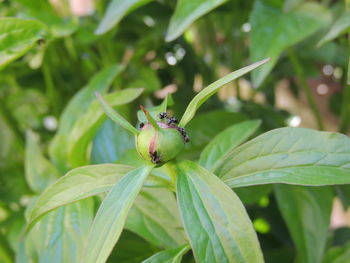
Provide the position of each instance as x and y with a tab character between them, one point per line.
159	145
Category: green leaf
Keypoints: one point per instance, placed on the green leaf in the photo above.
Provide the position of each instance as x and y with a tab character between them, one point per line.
17	37
337	254
168	256
291	156
59	237
82	100
154	216
110	143
215	220
273	31
206	93
226	141
115	12
110	218
340	25
306	211
39	171
115	116
76	108
76	185
86	127
186	13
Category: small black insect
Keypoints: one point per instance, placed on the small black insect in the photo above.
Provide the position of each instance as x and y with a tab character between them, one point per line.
184	134
154	157
172	120
163	115
141	125
186	138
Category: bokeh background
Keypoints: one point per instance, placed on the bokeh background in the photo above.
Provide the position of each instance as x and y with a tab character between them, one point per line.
174	47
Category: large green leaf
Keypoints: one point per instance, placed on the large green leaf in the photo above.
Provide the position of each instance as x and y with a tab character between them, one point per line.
306	211
168	256
274	30
110	218
289	155
76	108
154	216
78	184
215	220
17	37
207	92
226	141
340	25
186	13
116	10
39	171
86	127
110	143
59	237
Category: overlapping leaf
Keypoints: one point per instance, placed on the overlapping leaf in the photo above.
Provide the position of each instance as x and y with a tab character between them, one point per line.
306	211
17	37
226	141
78	184
168	256
154	216
215	220
289	155
111	215
86	127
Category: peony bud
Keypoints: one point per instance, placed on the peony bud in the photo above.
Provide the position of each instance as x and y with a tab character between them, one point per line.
159	142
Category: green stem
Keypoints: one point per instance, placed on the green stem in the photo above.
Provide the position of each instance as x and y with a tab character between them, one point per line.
303	83
50	89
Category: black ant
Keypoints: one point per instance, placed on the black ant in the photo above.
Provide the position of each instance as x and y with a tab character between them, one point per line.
154	157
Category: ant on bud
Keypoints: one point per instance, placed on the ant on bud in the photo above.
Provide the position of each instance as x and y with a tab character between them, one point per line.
163	115
172	120
141	125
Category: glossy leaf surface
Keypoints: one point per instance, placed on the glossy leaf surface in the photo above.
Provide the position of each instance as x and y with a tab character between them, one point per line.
86	127
59	237
289	155
207	92
155	217
306	211
226	141
17	37
77	184
215	220
186	13
111	215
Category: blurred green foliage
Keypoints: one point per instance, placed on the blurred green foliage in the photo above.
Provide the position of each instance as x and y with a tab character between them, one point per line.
52	60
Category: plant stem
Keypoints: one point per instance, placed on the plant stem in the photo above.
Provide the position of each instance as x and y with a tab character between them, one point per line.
50	89
303	83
